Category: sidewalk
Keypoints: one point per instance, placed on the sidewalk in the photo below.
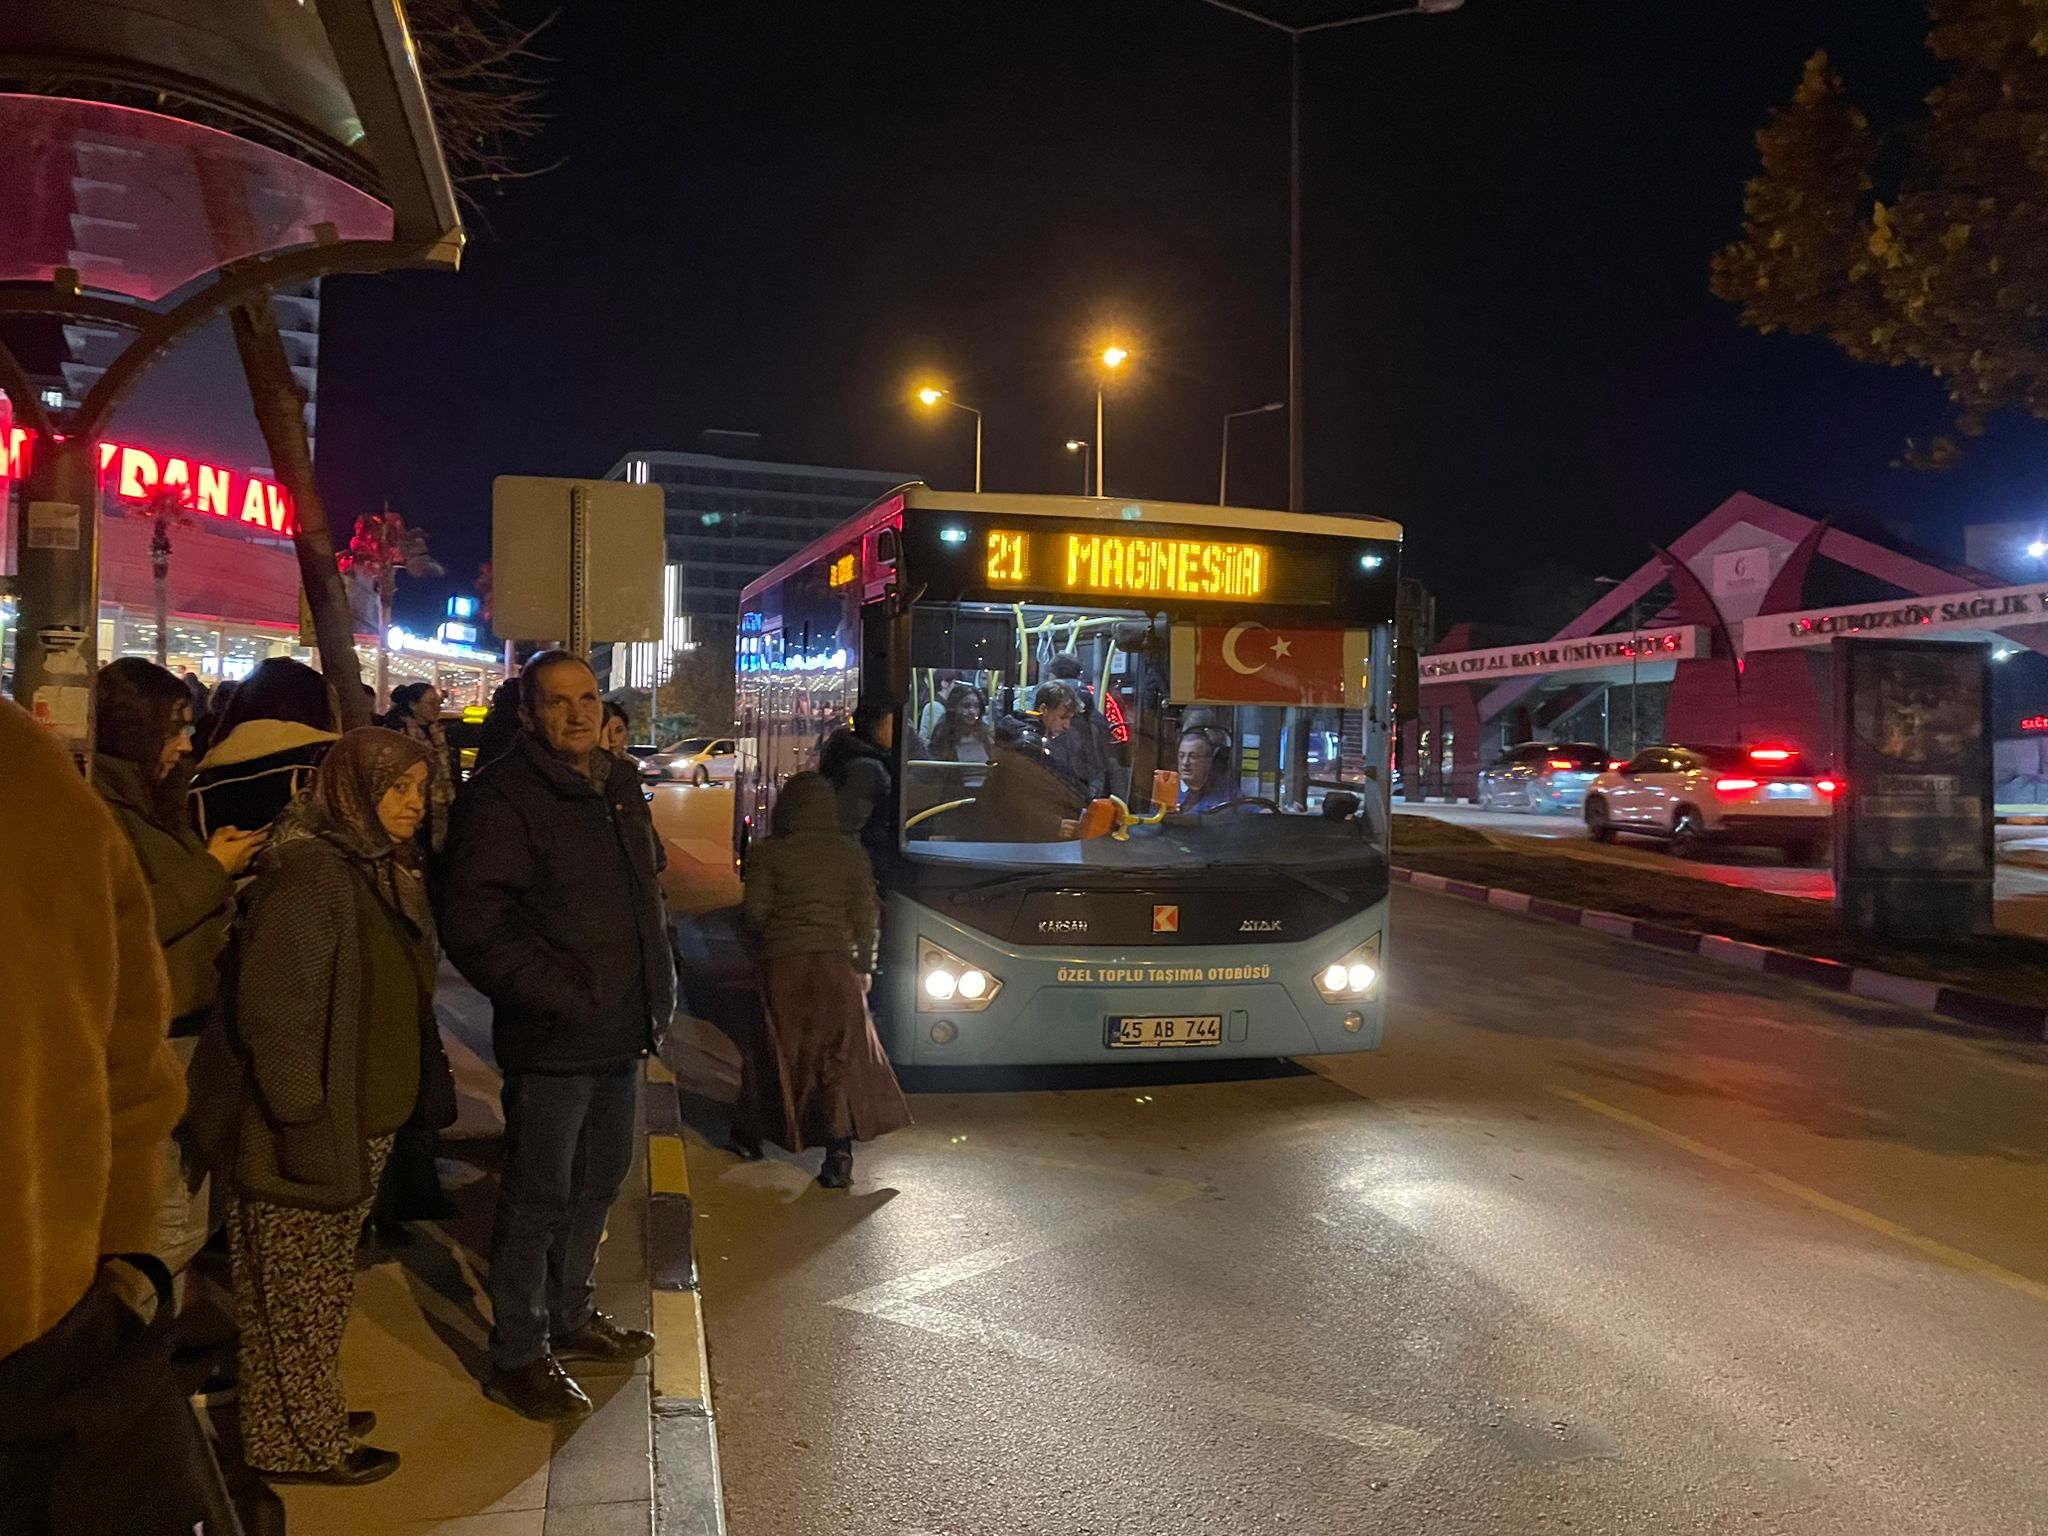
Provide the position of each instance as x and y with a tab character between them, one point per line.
416	1348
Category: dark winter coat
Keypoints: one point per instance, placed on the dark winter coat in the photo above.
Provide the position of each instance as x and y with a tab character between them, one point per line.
248	777
548	902
859	771
334	995
809	888
193	898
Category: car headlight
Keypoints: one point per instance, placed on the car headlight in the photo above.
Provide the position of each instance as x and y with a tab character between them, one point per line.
1351	976
948	984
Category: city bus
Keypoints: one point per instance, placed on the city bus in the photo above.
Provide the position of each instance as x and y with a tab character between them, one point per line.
1181	850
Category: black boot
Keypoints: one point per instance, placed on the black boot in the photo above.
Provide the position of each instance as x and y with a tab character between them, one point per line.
838	1170
541	1391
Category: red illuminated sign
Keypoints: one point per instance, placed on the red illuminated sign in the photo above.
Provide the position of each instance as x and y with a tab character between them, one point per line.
132	474
2035	723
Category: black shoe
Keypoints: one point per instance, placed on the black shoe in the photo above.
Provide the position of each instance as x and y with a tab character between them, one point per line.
361	1424
365	1464
745	1148
540	1391
603	1339
838	1171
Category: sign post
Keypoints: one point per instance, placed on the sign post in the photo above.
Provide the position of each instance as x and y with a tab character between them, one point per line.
1914	837
577	561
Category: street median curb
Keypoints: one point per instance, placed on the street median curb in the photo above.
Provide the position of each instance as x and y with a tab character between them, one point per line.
689	1500
1974	1008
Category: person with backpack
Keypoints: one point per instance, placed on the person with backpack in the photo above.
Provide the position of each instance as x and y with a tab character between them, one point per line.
810	904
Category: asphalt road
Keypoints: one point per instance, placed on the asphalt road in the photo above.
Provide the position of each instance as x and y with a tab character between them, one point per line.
1605	1240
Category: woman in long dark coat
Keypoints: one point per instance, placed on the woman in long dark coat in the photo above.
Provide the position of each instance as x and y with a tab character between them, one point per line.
334	1008
810	902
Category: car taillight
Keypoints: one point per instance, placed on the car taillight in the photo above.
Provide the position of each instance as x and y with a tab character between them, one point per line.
1734	786
1828	786
1770	755
1563	764
1617	764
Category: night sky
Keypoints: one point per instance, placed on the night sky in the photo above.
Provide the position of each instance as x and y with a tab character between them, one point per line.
772	216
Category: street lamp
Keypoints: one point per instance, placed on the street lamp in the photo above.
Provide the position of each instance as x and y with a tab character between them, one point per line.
931	396
2038	550
1113	358
1080	446
1635	646
1294	366
1223	474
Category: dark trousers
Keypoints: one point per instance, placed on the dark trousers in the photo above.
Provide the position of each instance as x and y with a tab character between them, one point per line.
568	1147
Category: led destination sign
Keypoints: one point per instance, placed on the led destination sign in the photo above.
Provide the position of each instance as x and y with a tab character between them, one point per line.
1148	565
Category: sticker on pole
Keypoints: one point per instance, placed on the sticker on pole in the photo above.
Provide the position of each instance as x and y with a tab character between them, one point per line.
53	525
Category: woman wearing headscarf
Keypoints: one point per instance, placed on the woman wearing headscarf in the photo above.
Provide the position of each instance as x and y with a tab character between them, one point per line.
416	712
264	748
334	1008
142	720
810	903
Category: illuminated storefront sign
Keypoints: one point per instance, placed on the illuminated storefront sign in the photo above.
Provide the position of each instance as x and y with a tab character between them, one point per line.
1131	565
1584	655
1988	608
134	474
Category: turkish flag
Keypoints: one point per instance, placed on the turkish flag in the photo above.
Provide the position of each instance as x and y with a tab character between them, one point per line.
1253	663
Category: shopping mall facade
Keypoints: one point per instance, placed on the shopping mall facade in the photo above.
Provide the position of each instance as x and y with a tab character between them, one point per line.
232	589
1725	636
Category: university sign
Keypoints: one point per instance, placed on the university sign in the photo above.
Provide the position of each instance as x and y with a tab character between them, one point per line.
1988	608
134	474
1588	654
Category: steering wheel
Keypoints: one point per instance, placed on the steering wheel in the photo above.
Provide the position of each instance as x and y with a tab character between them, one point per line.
1258	800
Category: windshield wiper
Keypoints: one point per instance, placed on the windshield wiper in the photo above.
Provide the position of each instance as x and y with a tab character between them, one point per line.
1328	892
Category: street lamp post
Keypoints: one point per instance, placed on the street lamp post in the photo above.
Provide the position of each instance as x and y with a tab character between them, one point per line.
1294	36
1113	358
930	396
1635	646
1080	446
1223	473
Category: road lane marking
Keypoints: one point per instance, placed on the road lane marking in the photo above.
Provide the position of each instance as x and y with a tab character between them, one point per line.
922	1282
1401	1450
1933	1248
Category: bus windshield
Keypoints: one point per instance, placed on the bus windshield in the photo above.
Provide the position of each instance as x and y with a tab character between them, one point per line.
1025	719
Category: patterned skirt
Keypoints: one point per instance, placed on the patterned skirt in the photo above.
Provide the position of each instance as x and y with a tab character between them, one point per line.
295	1284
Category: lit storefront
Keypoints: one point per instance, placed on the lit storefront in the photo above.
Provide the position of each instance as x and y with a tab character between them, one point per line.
231	590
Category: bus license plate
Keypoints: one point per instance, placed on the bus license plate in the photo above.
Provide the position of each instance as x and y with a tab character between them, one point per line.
1181	1029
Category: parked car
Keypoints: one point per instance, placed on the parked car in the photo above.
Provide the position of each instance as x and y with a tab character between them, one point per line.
1690	797
694	760
1541	776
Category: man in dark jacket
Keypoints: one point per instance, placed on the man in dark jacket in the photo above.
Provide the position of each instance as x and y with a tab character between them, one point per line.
549	904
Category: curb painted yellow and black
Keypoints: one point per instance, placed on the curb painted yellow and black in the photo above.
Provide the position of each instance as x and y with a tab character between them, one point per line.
690	1501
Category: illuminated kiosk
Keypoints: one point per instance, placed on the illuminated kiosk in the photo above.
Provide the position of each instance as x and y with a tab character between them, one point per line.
169	163
1723	637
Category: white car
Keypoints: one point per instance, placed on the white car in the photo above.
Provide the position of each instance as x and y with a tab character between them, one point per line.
1690	797
695	760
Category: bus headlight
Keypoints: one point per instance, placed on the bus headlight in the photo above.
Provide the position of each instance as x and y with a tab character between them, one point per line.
1351	976
948	984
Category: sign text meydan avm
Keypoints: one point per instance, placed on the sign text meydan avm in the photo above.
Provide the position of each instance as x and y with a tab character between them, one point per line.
132	475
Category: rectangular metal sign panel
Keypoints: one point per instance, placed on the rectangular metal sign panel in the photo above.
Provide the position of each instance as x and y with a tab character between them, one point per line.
1916	755
1982	608
1585	654
533	556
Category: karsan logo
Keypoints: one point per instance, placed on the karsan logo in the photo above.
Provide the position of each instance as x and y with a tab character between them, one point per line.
1063	925
1259	925
1166	919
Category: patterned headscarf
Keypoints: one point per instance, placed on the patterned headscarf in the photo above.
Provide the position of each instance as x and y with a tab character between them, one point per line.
351	779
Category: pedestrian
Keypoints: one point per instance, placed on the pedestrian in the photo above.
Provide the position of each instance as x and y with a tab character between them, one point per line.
142	719
416	712
95	1434
550	905
810	904
500	728
618	730
334	1003
265	748
857	761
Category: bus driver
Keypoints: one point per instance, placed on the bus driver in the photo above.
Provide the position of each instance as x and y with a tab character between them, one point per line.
1202	786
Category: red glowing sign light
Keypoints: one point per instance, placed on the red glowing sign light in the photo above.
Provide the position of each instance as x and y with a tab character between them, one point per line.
1121	731
134	474
2035	723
